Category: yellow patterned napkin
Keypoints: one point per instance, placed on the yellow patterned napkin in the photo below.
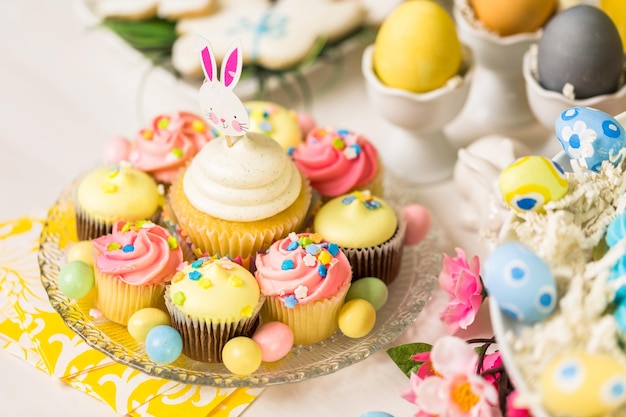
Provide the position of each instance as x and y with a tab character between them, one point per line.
32	330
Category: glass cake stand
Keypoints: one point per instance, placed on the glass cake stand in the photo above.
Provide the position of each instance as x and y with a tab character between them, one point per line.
408	295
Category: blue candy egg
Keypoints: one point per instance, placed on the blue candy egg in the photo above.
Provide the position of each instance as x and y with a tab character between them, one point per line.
520	282
590	137
376	414
164	344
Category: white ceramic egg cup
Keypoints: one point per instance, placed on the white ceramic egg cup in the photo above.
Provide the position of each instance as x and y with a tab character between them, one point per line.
418	149
497	102
548	105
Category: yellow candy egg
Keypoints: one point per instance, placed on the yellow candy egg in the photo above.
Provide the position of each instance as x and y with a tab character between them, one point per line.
81	251
532	181
513	16
241	355
357	318
583	385
144	320
417	47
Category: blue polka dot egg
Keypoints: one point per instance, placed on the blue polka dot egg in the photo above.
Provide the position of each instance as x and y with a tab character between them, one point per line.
520	282
532	181
580	384
590	137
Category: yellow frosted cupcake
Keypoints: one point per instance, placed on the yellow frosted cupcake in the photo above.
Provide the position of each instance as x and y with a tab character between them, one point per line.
236	200
368	230
305	279
276	122
132	266
113	193
211	301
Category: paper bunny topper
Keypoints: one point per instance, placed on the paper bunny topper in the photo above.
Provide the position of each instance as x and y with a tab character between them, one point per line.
218	102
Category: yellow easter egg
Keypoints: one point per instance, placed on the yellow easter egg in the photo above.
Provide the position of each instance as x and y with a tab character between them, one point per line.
357	318
144	320
513	16
81	251
417	47
532	181
579	384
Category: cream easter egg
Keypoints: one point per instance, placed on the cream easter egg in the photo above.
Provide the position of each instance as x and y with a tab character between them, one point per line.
513	16
532	181
417	47
579	384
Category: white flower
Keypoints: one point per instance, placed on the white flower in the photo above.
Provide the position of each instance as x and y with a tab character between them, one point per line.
579	140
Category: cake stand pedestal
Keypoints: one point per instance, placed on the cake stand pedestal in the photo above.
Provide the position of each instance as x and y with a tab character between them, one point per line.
497	102
417	148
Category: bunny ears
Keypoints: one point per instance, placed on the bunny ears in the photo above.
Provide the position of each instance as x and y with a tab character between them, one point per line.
231	65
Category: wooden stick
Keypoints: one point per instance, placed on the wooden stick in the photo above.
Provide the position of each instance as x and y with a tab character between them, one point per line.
228	142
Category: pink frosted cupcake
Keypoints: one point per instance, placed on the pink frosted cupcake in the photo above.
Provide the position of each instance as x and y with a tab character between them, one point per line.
337	161
168	143
305	280
132	266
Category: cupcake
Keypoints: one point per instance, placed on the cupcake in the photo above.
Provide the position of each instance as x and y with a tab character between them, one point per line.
113	193
211	301
276	122
305	280
337	161
368	230
168	143
236	200
132	266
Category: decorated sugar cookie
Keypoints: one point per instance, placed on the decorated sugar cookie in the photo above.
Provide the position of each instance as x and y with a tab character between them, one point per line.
147	9
276	36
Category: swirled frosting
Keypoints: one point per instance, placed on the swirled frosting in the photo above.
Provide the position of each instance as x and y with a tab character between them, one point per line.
168	143
336	160
252	180
138	253
302	268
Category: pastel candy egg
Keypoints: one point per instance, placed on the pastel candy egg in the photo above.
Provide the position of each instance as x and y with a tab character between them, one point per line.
241	355
275	340
76	279
580	384
532	181
376	414
144	320
370	289
520	282
357	318
590	137
164	344
81	251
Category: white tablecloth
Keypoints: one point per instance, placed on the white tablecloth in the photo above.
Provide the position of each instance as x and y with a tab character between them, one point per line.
66	90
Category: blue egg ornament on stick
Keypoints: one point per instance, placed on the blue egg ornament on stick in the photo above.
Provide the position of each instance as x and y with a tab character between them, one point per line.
520	282
532	181
590	137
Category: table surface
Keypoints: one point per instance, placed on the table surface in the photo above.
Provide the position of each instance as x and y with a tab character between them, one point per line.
67	89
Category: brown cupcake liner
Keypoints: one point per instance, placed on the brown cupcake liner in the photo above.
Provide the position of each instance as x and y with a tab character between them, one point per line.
310	323
203	339
382	261
212	236
118	301
88	228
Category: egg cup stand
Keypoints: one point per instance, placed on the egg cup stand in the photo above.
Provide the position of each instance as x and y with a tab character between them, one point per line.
418	148
497	102
547	105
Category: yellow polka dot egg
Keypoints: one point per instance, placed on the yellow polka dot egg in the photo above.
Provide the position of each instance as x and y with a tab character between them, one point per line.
580	384
532	181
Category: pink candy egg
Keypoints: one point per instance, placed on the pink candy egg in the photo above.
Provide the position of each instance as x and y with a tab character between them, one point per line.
418	223
275	340
306	122
116	150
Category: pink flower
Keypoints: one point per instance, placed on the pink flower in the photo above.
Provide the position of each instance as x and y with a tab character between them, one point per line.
426	368
461	280
455	390
492	361
512	410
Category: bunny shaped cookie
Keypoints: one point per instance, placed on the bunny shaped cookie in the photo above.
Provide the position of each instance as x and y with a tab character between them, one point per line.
219	104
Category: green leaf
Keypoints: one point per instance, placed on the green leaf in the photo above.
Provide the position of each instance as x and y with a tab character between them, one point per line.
401	355
153	37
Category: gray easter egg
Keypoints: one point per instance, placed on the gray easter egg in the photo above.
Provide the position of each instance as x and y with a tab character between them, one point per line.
581	46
